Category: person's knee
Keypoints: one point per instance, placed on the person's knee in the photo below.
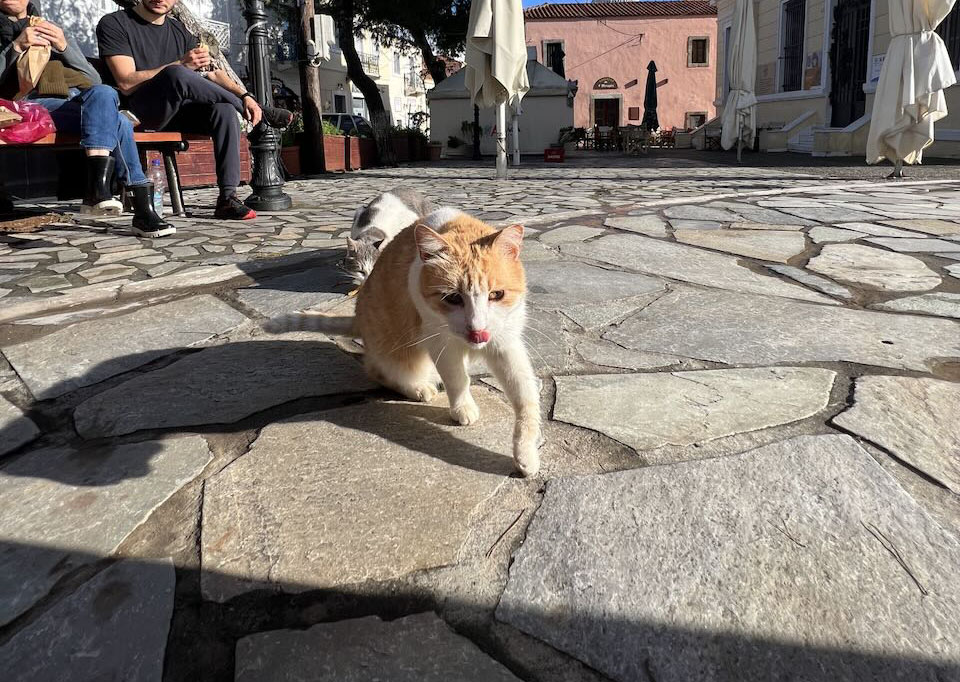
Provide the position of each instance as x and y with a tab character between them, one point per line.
224	114
102	94
175	73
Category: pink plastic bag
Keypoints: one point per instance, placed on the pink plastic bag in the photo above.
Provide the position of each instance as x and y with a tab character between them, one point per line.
36	123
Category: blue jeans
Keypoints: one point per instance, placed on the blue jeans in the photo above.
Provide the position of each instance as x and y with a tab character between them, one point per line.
95	115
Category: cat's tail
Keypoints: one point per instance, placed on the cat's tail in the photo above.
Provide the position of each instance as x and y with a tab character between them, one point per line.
312	321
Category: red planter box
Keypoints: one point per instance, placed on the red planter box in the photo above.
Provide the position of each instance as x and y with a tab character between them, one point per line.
554	154
291	159
334	153
198	165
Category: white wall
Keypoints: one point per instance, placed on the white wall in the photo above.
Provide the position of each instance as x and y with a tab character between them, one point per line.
540	123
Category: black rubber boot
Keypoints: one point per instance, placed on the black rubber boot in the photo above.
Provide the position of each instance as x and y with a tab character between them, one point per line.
98	199
146	222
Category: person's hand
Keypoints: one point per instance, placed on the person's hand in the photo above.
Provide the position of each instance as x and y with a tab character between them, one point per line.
29	37
252	110
54	34
196	59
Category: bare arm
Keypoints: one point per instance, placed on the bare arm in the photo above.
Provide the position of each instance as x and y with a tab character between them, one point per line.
251	109
128	79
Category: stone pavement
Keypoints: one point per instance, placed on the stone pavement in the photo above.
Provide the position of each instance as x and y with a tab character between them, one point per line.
751	385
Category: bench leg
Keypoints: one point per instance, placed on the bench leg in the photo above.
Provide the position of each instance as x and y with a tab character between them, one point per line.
173	181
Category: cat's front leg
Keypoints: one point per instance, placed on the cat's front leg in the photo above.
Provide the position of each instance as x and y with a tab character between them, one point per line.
452	365
511	365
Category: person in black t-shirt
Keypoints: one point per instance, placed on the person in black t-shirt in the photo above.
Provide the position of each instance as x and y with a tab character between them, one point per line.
157	64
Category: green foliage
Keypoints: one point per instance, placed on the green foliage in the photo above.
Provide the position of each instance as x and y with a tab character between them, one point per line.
407	131
329	129
453	142
467	127
419	120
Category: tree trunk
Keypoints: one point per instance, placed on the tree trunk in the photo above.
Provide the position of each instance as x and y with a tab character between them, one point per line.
379	119
311	151
437	67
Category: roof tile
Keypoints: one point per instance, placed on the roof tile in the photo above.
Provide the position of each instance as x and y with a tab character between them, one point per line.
614	10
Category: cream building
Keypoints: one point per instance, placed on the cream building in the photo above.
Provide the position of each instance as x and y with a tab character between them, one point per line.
818	62
399	74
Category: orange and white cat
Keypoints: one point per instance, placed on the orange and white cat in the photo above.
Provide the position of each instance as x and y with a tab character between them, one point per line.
444	291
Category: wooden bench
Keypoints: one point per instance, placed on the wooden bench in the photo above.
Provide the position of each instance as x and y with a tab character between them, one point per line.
168	144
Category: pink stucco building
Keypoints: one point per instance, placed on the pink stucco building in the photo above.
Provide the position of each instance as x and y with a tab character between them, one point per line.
606	47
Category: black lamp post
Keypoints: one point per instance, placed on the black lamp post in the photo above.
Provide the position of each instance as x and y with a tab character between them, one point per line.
267	183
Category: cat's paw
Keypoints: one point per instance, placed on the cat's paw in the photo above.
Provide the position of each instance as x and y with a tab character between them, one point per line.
423	393
466	413
526	459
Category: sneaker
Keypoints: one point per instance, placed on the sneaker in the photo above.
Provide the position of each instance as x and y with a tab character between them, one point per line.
275	117
232	208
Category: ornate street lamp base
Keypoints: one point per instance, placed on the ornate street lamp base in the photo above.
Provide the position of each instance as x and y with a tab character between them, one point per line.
269	199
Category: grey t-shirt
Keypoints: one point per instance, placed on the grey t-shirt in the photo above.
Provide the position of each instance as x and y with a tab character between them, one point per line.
151	45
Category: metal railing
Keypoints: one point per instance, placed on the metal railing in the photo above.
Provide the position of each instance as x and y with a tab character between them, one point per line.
220	30
413	84
370	64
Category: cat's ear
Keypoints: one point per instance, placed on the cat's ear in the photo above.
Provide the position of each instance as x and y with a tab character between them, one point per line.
429	243
509	240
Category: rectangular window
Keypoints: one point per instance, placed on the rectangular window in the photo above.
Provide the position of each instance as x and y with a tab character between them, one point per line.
949	31
695	119
633	113
396	62
553	58
726	60
697	48
791	56
340	104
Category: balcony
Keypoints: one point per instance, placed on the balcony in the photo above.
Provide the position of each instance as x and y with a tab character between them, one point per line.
370	64
413	84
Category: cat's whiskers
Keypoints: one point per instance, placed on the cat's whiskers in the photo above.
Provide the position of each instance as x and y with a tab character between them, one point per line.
529	347
534	329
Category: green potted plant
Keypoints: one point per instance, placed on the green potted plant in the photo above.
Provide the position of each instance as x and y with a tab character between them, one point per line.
455	147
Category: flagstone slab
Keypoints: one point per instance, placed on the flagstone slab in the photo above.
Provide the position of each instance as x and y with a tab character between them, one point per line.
829	214
915	419
223	384
371	464
686	263
62	508
648	411
690	225
940	303
741	329
802	559
692	212
822	234
16	428
953	270
298	291
419	648
760	215
821	284
89	352
763	226
651	225
874	268
114	627
930	226
565	285
914	245
876	230
778	246
570	233
606	354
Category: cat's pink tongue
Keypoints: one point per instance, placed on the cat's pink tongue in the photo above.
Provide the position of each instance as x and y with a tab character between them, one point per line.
481	336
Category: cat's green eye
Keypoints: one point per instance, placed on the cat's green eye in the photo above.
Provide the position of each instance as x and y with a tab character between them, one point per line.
453	299
496	295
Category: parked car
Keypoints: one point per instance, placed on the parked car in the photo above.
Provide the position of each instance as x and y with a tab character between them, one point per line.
350	124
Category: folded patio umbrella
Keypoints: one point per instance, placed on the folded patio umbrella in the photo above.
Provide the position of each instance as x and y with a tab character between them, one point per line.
909	97
650	120
496	61
740	110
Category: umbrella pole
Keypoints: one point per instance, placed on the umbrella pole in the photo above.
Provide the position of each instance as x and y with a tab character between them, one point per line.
501	141
516	138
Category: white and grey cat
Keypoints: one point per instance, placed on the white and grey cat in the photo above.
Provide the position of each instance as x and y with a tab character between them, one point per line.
375	224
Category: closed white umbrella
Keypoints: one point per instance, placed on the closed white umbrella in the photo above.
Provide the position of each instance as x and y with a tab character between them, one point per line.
496	59
909	97
740	110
